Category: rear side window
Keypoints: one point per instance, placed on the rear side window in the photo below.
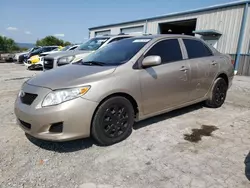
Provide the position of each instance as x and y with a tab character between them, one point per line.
169	50
196	49
47	49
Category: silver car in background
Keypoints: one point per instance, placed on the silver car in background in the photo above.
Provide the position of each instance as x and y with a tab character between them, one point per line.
64	58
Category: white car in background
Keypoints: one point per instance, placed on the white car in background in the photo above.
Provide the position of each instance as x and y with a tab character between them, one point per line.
64	58
17	55
39	64
64	49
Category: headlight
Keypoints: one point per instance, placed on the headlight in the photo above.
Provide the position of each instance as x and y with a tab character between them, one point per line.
65	60
60	96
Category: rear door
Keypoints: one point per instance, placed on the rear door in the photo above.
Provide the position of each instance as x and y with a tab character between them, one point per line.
204	67
166	85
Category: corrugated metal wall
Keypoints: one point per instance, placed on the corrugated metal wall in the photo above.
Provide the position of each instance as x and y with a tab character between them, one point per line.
117	29
244	65
226	20
246	41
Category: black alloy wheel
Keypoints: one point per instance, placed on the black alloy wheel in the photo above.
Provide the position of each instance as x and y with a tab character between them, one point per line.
219	92
113	121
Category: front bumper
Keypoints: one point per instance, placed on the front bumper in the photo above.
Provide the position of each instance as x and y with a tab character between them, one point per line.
75	116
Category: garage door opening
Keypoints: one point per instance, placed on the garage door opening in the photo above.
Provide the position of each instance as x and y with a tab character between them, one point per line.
185	27
138	30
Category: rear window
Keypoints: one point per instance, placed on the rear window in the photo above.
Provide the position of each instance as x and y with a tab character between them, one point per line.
196	49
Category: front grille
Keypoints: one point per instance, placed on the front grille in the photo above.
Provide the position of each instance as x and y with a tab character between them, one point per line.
25	124
48	63
28	98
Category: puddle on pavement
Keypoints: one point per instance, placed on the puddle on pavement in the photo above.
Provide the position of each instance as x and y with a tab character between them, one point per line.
19	78
197	134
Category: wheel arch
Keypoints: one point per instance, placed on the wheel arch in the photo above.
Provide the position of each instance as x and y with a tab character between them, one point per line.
120	94
224	76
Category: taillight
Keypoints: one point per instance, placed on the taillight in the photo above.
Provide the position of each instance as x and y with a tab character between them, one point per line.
232	61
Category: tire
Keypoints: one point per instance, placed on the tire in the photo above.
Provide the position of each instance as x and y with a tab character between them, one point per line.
218	94
113	121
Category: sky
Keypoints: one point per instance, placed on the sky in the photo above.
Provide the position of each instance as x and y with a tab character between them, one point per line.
29	20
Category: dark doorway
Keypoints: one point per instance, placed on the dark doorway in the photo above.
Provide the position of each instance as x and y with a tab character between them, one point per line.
185	27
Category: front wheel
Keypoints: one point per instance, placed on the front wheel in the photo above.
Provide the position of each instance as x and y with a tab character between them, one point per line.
113	121
218	94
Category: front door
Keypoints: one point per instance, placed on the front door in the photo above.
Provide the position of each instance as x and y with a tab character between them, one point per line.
165	85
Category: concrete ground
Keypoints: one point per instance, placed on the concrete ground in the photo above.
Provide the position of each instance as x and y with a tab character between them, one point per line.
161	152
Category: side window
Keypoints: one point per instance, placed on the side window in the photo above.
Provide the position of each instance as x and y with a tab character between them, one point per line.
169	50
196	49
73	48
117	39
46	49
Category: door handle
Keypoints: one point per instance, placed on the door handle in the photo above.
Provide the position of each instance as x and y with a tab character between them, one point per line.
214	63
183	68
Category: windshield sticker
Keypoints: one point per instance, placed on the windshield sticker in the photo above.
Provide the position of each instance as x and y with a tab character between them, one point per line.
141	40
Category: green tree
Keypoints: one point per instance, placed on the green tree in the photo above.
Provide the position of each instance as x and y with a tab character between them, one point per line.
51	40
8	44
67	43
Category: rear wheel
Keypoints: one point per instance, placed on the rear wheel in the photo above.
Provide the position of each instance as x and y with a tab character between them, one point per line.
218	95
113	121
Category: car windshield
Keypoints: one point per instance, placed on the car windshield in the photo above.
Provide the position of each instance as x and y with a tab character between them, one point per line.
93	44
37	50
55	50
65	48
34	49
116	53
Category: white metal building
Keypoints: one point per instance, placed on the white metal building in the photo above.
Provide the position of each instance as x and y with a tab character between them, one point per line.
225	26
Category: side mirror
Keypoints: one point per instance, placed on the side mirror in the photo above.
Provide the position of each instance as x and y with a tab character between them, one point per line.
152	60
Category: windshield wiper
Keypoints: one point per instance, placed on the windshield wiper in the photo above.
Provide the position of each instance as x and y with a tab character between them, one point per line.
90	63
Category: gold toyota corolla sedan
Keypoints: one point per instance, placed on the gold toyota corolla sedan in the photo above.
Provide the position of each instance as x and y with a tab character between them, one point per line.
126	81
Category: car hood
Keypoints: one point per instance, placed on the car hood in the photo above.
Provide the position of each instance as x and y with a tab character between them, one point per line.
70	76
67	53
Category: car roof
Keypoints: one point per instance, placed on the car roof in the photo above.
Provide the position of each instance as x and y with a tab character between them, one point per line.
49	46
114	36
164	36
149	36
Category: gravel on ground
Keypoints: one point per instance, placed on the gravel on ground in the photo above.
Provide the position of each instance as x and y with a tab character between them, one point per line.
162	152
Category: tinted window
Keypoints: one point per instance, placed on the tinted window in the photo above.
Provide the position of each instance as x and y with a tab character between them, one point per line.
53	48
47	49
196	49
168	50
118	52
38	50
